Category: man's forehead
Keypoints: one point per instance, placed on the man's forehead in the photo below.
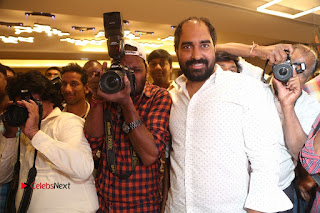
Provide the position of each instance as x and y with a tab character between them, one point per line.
132	59
192	31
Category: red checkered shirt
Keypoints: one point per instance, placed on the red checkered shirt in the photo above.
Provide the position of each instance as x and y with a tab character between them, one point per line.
140	192
311	161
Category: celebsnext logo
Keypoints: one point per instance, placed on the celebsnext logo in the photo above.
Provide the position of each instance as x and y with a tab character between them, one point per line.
46	185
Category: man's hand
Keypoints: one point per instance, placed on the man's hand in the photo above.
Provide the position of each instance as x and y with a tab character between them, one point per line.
275	53
288	93
30	128
122	97
93	82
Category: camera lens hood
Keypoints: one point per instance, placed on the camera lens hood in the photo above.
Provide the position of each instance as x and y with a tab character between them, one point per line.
112	81
283	72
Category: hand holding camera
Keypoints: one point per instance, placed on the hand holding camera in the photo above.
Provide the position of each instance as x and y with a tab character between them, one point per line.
30	128
290	91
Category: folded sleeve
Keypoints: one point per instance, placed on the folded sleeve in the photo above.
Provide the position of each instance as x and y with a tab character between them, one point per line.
158	120
68	150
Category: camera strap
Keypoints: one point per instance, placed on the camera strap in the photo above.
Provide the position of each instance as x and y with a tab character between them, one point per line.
111	157
27	193
264	72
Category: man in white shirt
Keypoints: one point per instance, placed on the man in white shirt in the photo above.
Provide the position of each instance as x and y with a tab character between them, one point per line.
296	109
63	182
224	154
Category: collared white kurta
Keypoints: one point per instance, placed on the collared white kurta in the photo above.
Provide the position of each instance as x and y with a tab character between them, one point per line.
64	157
225	155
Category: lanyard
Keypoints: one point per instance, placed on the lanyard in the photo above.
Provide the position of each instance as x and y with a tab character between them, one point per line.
111	157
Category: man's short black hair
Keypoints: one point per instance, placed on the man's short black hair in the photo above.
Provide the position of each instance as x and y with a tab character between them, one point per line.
74	67
160	53
35	82
53	68
222	56
3	70
206	21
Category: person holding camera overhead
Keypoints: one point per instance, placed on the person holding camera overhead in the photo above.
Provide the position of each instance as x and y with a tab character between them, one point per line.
127	126
53	164
292	67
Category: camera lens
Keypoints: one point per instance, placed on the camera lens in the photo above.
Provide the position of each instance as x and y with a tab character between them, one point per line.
283	72
15	115
112	82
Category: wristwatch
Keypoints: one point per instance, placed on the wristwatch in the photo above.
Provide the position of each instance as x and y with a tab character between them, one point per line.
128	127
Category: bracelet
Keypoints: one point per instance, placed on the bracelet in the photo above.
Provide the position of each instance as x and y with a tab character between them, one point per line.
254	45
94	101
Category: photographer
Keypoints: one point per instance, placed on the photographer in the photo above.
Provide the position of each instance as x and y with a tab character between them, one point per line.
296	109
129	184
55	160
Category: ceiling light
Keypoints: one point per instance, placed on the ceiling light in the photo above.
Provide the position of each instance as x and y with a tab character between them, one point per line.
39	14
39	29
81	29
83	42
10	24
143	32
263	9
15	40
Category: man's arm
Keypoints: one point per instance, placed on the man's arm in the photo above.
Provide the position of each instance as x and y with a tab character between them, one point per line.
310	153
142	140
288	94
274	53
261	131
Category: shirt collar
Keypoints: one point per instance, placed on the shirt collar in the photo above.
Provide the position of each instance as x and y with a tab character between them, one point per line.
55	112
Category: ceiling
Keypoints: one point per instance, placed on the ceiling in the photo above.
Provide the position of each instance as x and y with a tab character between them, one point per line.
235	21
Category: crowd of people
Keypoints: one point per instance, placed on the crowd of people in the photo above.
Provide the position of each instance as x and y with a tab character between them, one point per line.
222	137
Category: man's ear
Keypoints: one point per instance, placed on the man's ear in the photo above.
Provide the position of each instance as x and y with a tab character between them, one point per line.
86	89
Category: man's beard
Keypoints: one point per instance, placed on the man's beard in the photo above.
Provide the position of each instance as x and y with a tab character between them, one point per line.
197	74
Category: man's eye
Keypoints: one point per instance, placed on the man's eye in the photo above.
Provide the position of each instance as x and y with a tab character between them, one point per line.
205	45
187	46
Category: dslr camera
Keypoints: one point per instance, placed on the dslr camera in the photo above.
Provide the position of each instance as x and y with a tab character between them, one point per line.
16	115
112	80
284	71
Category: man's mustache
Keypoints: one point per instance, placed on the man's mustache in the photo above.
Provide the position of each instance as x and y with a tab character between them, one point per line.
200	61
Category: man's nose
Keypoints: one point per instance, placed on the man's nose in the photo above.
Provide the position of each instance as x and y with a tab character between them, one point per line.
196	53
158	67
67	88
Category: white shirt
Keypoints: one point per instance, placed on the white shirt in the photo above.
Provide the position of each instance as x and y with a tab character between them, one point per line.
215	135
306	109
64	157
7	157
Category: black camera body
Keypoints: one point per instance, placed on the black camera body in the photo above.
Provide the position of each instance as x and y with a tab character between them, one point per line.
284	71
16	115
112	80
